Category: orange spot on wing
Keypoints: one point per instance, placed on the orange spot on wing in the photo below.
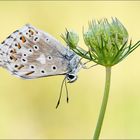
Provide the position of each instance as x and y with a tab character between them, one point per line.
22	38
19	46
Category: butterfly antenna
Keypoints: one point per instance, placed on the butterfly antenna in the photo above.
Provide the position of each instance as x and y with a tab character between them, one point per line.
60	92
67	91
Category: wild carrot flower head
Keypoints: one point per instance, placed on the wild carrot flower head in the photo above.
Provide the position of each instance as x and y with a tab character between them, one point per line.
107	42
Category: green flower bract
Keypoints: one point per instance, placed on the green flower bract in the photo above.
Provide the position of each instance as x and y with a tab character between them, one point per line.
107	42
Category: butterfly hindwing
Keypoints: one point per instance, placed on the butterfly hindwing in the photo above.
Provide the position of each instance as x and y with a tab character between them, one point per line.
31	53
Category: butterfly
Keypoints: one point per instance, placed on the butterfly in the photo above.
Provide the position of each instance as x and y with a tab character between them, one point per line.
31	53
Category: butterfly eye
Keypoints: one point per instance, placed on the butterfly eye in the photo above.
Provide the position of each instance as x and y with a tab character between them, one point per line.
54	67
71	77
36	47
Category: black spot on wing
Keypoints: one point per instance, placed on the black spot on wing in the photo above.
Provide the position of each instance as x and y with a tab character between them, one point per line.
16	31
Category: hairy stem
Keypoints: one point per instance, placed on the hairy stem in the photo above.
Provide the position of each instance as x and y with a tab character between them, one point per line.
104	104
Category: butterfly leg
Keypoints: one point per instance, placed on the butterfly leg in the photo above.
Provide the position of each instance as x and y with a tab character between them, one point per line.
80	60
85	67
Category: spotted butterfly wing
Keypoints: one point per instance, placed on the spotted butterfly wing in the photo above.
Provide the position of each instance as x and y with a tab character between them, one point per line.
31	53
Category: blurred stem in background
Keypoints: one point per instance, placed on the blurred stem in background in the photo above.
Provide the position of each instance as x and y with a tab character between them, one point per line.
108	45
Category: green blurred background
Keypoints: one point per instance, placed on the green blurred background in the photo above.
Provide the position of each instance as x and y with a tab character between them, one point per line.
27	108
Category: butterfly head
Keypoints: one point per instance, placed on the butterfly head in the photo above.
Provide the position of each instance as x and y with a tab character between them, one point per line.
71	77
74	67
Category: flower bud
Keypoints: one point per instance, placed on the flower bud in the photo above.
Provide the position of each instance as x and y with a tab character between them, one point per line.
72	39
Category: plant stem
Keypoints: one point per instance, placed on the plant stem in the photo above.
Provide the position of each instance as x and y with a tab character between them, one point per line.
104	104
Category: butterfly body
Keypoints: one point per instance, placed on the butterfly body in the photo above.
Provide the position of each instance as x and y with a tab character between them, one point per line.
30	53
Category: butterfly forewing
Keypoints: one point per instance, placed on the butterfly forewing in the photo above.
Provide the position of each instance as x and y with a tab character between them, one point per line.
31	53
